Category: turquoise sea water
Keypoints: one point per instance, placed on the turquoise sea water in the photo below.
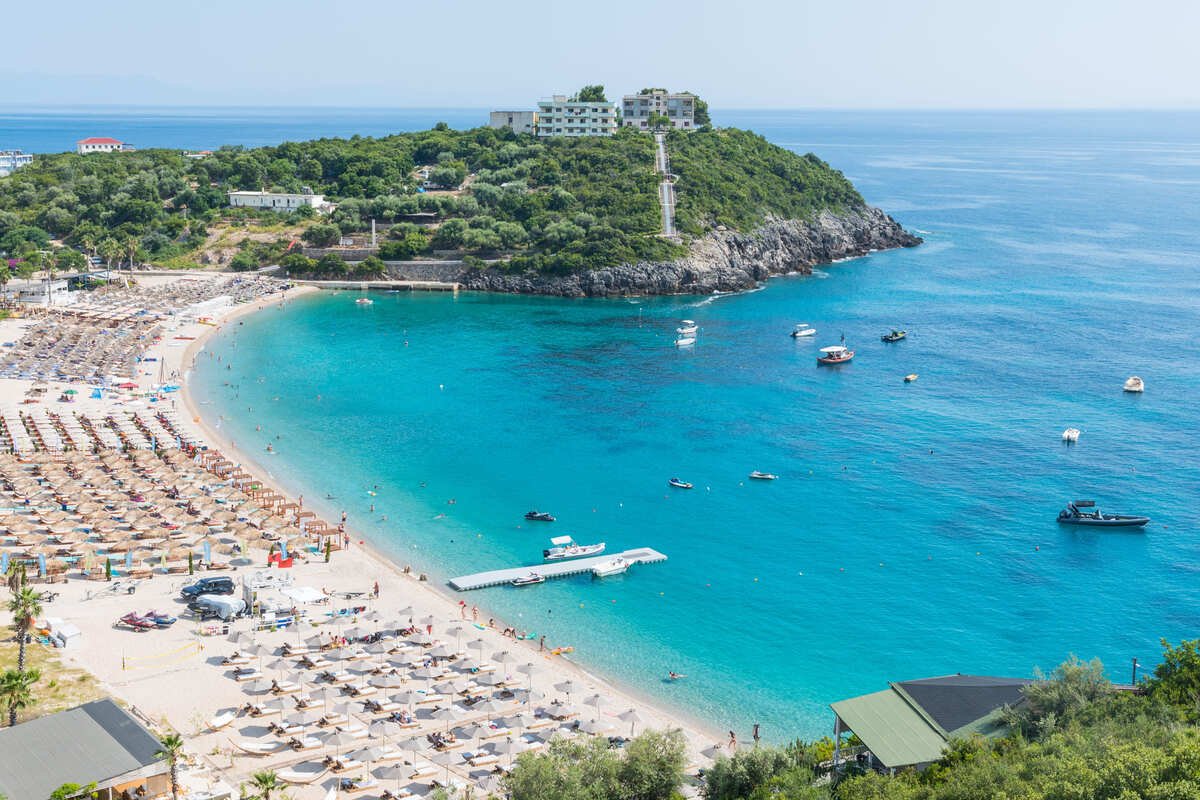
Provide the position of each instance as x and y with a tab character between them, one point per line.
911	532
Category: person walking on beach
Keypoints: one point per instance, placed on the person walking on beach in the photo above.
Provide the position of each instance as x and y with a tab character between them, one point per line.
376	590
475	613
462	608
542	643
732	741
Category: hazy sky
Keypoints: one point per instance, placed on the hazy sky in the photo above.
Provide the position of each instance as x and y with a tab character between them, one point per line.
803	53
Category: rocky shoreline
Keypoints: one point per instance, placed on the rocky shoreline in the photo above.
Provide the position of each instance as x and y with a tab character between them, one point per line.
722	261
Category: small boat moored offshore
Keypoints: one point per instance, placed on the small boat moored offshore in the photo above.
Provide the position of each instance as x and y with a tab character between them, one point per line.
532	579
565	547
1074	514
1071	435
838	354
1135	384
687	327
364	301
763	476
685	341
894	336
912	376
679	484
539	516
802	331
616	566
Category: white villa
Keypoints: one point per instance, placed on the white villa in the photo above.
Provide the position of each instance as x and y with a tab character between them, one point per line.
278	201
100	144
519	121
13	160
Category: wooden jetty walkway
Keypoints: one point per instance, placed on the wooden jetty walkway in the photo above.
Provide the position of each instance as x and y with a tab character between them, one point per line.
553	569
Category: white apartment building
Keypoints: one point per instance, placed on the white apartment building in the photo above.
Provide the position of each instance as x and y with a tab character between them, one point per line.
277	201
519	121
99	144
678	108
13	160
560	116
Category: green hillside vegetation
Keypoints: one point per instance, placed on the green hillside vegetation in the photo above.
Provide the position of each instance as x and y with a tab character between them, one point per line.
554	205
1075	738
736	178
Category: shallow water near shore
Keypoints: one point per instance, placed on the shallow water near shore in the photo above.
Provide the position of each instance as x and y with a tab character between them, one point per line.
911	532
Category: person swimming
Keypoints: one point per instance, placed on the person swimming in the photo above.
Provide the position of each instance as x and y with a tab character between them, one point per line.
675	676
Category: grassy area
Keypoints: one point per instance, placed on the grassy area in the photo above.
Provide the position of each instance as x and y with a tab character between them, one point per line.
61	687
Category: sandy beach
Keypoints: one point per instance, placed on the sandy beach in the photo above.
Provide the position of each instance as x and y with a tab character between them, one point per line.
174	676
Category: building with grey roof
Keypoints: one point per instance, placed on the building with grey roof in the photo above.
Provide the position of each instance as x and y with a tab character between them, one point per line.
98	742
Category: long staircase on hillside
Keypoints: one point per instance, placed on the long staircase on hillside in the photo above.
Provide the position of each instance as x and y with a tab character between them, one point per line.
666	187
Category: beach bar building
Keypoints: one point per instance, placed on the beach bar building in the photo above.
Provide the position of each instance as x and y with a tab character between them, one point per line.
96	742
908	725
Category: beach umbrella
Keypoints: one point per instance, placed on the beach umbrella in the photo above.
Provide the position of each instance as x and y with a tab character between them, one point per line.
387	682
355	633
477	644
304	718
520	721
340	739
491	707
427	620
325	694
280	665
489	679
632	717
367	755
407	698
595	700
414	744
421	638
528	695
447	759
261	685
457	631
426	674
445	714
397	771
383	729
569	687
441	651
510	747
504	657
594	726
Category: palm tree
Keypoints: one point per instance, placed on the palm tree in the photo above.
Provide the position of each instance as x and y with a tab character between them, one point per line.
131	245
16	691
172	749
25	605
264	784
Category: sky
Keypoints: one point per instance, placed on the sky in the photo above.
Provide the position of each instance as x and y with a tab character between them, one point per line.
848	54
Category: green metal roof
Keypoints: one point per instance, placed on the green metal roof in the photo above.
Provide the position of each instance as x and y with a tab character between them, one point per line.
896	733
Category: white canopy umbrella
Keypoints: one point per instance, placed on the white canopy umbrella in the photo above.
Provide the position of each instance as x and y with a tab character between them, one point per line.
632	717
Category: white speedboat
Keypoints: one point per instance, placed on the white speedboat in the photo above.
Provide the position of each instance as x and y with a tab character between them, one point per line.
685	341
688	330
763	476
1135	384
532	579
614	566
565	547
1070	435
364	301
802	330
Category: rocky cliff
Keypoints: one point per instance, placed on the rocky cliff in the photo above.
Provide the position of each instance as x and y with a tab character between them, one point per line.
722	261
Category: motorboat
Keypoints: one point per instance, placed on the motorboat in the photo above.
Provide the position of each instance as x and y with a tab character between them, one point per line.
1071	435
837	354
685	341
614	566
364	301
1084	512
687	327
763	476
532	579
909	378
539	516
565	547
802	331
679	484
894	336
159	618
1135	384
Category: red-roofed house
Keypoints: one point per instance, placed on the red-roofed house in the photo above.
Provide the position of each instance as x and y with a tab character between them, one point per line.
99	144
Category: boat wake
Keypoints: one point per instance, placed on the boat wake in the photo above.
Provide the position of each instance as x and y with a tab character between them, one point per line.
818	273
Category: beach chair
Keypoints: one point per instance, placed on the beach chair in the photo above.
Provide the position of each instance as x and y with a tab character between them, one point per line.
493	733
343	763
222	719
360	784
253	747
362	690
235	660
300	778
484	760
332	719
403	793
286	728
284	687
386	707
305	743
423	770
355	729
433	697
251	675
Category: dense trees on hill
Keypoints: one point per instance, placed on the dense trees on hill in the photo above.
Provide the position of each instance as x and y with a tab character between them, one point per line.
556	204
1075	738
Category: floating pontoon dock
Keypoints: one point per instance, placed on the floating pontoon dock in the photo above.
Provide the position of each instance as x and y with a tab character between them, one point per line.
553	569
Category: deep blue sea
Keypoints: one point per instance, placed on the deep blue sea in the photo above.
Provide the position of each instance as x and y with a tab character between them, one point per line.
912	530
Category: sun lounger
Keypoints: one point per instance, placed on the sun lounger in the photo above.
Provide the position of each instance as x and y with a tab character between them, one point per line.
286	729
541	722
492	733
386	707
222	719
358	655
311	662
303	743
285	687
334	718
341	678
249	675
400	794
391	754
259	710
299	778
484	760
432	697
253	747
343	763
235	660
422	770
362	690
289	650
352	785
355	729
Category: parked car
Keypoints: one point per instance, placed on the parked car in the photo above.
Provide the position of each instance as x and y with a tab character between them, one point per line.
207	606
220	584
